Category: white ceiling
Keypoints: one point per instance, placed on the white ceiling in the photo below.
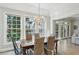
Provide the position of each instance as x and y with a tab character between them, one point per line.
25	7
55	10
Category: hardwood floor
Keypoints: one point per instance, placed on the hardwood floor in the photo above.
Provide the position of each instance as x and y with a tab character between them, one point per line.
7	53
67	48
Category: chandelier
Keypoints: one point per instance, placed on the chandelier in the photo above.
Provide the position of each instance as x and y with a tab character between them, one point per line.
38	18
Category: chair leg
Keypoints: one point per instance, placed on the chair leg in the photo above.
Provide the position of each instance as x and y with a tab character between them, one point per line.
27	53
24	51
30	51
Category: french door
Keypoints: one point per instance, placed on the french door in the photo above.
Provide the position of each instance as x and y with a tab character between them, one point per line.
62	29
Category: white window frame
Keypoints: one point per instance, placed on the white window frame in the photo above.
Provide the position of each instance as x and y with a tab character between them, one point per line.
25	25
45	27
5	28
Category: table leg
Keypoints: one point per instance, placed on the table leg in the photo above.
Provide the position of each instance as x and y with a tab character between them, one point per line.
56	47
24	51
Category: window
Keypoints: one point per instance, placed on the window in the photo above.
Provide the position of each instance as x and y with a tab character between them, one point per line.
13	27
30	25
42	26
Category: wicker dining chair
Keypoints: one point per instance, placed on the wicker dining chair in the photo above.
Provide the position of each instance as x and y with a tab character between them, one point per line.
50	48
38	47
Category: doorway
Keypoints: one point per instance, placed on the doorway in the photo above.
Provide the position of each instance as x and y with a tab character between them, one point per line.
62	29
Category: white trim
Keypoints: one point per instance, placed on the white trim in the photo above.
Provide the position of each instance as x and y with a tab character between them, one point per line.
24	27
5	28
3	12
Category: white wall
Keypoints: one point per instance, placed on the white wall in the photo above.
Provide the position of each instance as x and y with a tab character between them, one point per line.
77	23
3	11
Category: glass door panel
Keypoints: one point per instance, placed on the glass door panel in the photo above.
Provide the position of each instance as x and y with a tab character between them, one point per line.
62	29
30	27
56	29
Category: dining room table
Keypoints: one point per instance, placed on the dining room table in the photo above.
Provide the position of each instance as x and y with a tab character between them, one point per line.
27	44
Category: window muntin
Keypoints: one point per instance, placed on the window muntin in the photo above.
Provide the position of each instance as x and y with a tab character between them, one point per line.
30	25
13	27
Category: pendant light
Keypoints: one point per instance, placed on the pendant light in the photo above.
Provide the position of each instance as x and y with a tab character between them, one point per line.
38	18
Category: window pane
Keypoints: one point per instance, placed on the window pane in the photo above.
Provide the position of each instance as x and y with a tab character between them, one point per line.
27	19
14	18
9	26
18	26
14	35
14	30
9	21
13	27
18	22
8	17
18	18
30	27
9	30
18	30
14	22
18	38
8	35
18	35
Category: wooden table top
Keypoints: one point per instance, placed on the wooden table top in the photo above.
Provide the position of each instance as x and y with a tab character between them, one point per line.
30	43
